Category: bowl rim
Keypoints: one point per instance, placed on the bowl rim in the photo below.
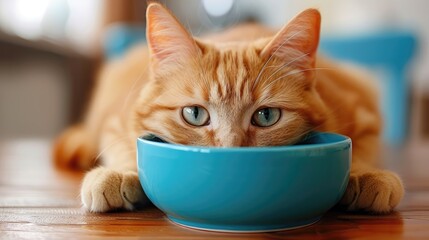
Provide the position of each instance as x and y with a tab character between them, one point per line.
335	145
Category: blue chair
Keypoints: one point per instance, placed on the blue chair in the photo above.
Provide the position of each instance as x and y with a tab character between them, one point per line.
119	37
388	53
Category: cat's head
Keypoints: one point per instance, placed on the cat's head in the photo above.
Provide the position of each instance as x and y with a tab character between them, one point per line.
253	93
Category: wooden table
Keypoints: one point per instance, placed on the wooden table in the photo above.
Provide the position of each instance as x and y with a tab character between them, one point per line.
38	201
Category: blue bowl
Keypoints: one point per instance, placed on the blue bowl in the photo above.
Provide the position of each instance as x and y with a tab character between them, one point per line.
248	189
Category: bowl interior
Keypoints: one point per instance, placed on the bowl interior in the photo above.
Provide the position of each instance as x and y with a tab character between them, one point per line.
310	141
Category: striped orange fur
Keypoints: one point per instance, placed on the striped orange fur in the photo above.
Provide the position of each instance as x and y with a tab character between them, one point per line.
231	75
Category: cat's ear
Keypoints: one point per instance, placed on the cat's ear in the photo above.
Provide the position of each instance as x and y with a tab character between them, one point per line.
298	40
168	40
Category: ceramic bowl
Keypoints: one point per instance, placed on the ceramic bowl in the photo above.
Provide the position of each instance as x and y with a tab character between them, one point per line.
246	189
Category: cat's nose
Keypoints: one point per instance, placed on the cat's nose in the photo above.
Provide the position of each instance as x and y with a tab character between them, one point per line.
232	140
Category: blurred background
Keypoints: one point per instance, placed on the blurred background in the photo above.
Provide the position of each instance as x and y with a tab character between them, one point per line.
50	51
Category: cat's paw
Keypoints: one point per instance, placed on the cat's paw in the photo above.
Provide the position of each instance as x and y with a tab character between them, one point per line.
104	190
75	148
376	192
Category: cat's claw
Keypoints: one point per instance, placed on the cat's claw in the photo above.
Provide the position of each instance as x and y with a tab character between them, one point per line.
376	192
104	190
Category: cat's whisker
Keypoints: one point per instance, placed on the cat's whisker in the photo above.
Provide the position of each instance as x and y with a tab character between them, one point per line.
272	55
338	129
118	140
274	66
293	73
133	89
199	12
188	26
299	137
236	15
287	64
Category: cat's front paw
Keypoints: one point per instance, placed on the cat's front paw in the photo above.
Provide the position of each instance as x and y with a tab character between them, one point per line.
105	190
376	192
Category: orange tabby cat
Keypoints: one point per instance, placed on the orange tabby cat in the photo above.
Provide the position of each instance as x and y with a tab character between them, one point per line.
243	87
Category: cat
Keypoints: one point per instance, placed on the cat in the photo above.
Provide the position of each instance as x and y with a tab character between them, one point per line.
247	86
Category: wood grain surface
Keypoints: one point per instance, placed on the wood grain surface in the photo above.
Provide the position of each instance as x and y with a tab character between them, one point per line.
39	201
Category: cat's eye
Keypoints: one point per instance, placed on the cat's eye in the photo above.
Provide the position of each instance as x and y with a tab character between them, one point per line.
196	115
266	117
